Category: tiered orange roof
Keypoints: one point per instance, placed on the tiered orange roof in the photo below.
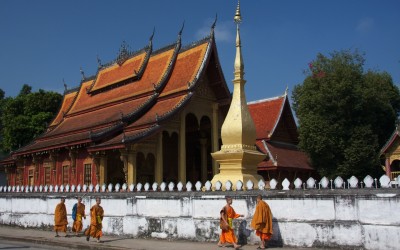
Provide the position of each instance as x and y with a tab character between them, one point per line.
69	98
277	134
131	98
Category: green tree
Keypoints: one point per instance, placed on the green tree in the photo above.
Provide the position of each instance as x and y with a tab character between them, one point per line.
26	116
345	114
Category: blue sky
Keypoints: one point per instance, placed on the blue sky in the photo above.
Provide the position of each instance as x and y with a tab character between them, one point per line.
43	42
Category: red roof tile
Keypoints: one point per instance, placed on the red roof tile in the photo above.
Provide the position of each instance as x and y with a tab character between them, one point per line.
117	73
67	102
154	72
102	116
186	69
283	156
99	111
266	114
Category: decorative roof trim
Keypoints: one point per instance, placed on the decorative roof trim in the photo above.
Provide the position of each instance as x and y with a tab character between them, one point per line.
150	131
51	127
135	77
274	161
206	58
389	142
119	60
141	109
266	100
71	90
279	116
53	147
196	43
106	132
167	73
175	109
129	118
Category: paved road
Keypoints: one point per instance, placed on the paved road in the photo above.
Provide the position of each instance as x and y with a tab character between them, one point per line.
19	238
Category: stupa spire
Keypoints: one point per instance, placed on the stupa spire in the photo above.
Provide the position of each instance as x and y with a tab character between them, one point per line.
238	157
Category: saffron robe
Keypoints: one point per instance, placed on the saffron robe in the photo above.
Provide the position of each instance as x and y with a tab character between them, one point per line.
262	221
228	235
96	219
80	212
60	218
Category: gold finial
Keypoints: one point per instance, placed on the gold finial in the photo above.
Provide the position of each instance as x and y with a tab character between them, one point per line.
239	65
238	17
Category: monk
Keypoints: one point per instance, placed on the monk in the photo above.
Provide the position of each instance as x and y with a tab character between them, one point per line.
262	222
78	212
60	218
96	219
227	215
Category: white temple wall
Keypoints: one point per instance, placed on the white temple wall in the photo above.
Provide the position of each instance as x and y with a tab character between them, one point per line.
365	219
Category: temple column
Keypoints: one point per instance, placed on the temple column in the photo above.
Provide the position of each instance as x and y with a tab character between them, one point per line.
35	161
203	155
214	134
101	174
182	150
7	172
124	159
72	156
158	170
131	167
53	167
387	166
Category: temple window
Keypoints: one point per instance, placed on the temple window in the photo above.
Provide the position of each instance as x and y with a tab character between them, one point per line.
65	175
88	174
47	175
31	177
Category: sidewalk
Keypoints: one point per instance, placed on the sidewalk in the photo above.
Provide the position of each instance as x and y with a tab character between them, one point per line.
38	236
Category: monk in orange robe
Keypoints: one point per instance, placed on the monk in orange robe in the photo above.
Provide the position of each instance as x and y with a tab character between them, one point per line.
96	219
227	215
78	212
262	222
60	218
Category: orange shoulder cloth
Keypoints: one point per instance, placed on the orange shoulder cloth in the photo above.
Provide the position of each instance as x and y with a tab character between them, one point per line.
262	219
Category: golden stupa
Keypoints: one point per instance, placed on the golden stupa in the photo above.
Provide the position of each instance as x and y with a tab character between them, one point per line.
238	157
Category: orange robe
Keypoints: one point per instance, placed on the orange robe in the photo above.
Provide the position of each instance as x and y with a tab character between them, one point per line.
60	218
80	212
228	235
262	221
96	219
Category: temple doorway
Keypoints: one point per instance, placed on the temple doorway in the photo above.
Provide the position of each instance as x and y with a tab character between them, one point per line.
205	138
145	165
198	149
193	159
395	169
115	168
170	157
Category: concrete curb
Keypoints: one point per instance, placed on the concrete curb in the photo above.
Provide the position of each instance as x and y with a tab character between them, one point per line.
47	242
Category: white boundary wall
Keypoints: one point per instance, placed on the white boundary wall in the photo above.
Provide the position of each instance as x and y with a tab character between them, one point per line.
364	219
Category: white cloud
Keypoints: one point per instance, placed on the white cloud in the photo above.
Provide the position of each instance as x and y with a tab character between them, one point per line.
365	25
224	30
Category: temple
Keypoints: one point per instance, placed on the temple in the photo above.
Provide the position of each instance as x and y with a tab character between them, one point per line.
277	137
390	153
147	116
151	116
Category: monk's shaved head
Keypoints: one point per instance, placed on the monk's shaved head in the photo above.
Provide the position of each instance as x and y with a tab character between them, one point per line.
259	197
